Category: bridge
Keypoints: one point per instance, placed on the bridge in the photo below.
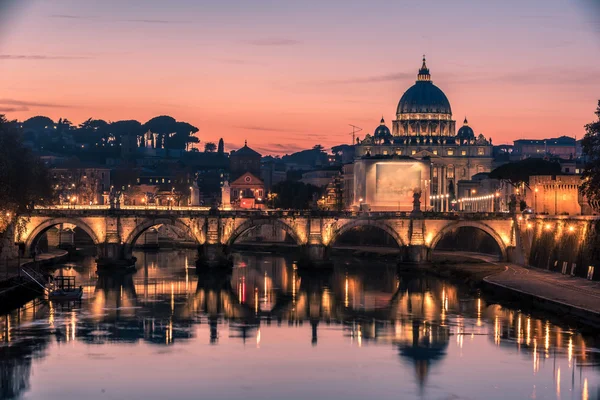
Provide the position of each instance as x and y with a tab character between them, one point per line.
115	231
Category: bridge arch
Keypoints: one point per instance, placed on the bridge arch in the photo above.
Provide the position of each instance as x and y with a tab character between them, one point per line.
142	227
33	237
471	224
366	222
255	222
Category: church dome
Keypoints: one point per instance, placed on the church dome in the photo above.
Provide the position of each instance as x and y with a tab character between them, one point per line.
465	132
382	131
424	96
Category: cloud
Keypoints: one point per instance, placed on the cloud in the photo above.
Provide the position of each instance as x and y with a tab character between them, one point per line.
273	42
11	105
374	79
40	57
157	21
69	16
263	128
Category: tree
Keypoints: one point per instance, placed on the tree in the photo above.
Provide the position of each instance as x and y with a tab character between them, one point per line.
24	181
518	173
176	135
294	195
209	147
38	123
591	151
221	148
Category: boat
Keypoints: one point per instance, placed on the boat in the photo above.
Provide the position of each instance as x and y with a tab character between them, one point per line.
65	289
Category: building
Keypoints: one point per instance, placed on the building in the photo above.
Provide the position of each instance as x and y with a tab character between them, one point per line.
247	191
77	183
348	187
423	131
563	147
244	160
556	195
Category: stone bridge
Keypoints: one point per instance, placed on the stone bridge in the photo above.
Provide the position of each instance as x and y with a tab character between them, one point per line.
115	231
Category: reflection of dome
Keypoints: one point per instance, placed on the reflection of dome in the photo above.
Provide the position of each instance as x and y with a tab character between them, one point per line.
466	132
424	96
382	131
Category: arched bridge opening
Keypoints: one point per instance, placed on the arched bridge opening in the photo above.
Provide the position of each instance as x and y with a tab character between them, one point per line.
471	240
264	232
154	234
60	233
366	235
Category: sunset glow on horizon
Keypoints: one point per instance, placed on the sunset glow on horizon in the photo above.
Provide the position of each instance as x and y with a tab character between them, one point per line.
289	75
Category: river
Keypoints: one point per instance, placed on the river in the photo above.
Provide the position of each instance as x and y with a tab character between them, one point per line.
271	331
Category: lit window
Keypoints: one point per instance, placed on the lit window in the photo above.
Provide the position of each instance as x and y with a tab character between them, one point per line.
450	152
463	153
480	151
435	152
163	180
413	152
385	152
399	152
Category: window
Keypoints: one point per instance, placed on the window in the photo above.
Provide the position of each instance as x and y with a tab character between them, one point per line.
138	180
413	152
435	172
150	180
450	172
163	180
450	152
463	153
479	168
480	151
385	152
435	152
576	170
399	152
567	170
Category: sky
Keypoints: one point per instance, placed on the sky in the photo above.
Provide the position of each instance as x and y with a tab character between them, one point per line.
289	75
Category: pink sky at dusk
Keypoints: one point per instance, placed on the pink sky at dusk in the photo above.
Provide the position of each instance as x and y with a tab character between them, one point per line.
289	75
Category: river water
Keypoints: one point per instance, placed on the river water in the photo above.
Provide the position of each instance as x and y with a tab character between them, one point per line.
270	331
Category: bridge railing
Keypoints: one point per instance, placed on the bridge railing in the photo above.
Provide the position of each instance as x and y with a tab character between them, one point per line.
206	211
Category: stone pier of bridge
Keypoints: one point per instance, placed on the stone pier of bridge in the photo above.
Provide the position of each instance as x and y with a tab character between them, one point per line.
115	232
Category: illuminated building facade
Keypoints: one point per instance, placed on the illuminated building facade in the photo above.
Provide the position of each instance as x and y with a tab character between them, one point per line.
424	130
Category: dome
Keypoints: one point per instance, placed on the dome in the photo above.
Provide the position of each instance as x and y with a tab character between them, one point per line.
382	131
424	96
465	132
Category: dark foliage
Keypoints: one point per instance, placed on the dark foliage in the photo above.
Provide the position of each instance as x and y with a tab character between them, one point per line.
519	172
294	195
591	149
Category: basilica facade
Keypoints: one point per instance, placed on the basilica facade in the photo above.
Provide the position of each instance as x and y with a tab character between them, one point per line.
423	131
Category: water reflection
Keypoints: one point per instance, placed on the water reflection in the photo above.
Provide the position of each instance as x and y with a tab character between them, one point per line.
435	331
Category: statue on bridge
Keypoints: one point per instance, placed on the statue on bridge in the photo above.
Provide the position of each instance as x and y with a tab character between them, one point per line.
416	211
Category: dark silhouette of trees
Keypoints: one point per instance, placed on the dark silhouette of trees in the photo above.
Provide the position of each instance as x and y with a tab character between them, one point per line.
591	151
24	180
221	148
209	147
38	123
294	195
518	173
174	135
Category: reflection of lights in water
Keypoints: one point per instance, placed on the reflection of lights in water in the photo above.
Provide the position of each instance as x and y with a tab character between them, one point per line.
172	298
570	350
535	356
528	339
585	395
73	324
497	330
558	382
294	268
519	332
256	300
479	312
547	338
326	301
346	302
258	339
359	336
